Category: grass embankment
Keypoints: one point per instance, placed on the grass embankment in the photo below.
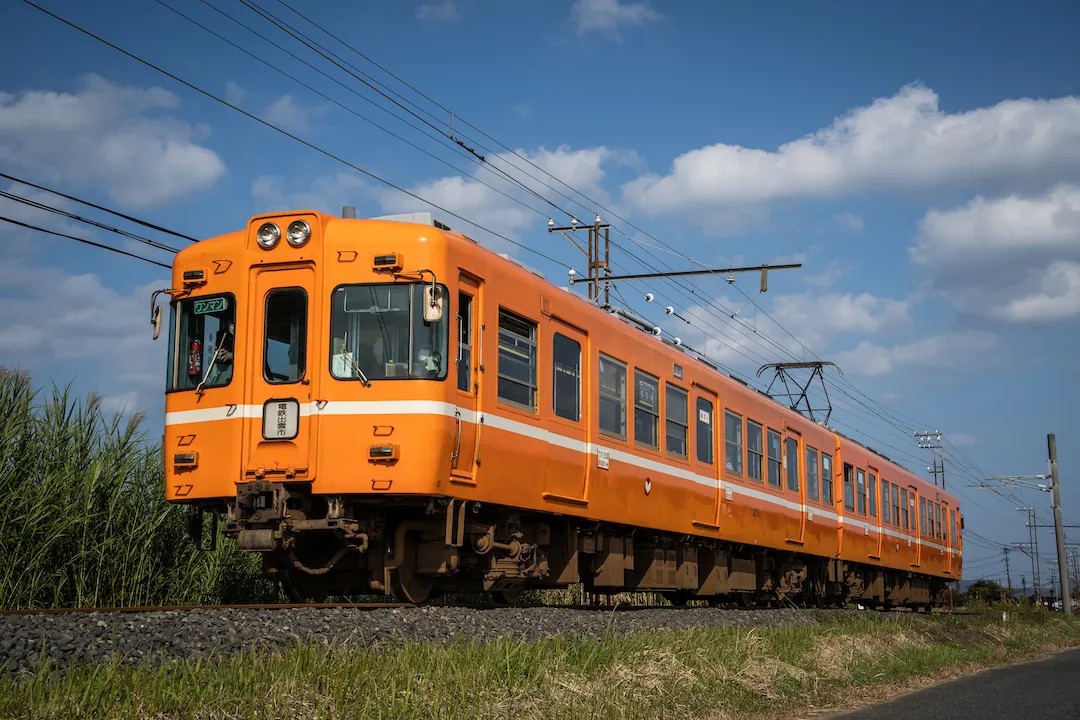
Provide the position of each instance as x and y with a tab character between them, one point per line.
83	519
783	671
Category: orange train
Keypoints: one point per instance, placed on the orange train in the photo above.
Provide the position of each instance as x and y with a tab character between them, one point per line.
384	406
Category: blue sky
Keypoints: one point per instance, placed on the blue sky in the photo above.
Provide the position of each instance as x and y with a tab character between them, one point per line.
922	161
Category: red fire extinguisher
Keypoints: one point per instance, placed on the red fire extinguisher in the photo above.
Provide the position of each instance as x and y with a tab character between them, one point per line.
194	363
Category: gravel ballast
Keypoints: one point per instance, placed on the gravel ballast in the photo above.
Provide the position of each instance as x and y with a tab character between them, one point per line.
163	636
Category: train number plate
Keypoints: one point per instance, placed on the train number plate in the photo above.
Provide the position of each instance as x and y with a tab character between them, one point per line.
281	419
603	459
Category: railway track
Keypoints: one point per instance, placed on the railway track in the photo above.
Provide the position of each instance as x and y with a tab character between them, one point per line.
620	607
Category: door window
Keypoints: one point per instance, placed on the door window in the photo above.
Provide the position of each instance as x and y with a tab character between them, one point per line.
704	431
792	464
464	351
566	377
285	349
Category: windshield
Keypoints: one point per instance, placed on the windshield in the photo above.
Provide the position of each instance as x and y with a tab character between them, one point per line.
199	328
380	329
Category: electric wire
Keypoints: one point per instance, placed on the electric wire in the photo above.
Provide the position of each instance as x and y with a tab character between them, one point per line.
84	241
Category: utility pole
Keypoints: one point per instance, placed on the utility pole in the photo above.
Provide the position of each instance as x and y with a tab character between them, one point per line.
1023	584
1063	565
1033	548
932	441
1008	576
1059	530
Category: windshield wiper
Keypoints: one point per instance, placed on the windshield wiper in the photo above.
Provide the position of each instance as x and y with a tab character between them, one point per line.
349	359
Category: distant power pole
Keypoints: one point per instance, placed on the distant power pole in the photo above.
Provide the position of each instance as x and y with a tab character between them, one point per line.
1059	530
1023	584
1008	577
932	441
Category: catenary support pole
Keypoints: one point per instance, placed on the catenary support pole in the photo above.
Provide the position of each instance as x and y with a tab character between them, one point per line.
1059	531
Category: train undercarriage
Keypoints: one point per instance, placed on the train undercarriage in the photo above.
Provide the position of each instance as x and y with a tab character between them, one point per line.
417	549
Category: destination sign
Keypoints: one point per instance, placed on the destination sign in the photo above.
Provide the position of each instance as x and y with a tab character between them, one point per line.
213	305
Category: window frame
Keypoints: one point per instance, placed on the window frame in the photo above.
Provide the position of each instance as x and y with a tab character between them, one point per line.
860	491
302	336
534	344
896	505
739	444
602	395
812	459
849	487
577	377
655	380
710	430
467	345
769	435
409	376
759	456
905	510
886	505
685	425
174	367
789	471
872	493
827	480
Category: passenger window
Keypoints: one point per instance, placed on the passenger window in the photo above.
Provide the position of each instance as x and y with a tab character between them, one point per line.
922	517
849	488
733	442
911	509
896	505
464	353
952	526
792	464
775	461
612	397
873	495
860	490
646	410
675	415
826	479
755	451
904	509
811	473
202	338
566	377
517	361
886	516
937	521
704	431
285	351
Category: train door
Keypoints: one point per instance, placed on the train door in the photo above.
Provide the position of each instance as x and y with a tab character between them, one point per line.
913	516
283	380
793	521
567	462
468	377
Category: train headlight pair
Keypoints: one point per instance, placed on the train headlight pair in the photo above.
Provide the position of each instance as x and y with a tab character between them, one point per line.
296	235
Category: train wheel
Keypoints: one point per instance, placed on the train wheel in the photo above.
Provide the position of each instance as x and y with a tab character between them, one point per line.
406	585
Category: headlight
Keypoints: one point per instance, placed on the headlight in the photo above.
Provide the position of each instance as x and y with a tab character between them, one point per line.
268	235
298	233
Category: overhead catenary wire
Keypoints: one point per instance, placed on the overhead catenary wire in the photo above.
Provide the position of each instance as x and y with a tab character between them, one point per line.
282	131
37	228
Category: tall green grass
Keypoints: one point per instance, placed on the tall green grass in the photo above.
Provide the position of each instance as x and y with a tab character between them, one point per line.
83	519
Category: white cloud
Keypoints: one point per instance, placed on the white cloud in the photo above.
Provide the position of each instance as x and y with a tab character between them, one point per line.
902	142
992	228
850	221
1057	296
523	110
108	136
78	326
1012	258
828	276
940	352
820	317
290	115
234	92
607	16
582	169
444	11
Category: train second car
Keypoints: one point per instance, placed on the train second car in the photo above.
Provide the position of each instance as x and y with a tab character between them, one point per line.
379	406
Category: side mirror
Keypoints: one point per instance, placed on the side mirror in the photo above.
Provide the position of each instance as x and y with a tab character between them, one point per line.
155	320
434	303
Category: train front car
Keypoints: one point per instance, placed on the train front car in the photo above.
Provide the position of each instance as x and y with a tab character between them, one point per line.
307	363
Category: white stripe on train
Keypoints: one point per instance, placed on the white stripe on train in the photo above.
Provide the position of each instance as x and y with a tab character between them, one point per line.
435	407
